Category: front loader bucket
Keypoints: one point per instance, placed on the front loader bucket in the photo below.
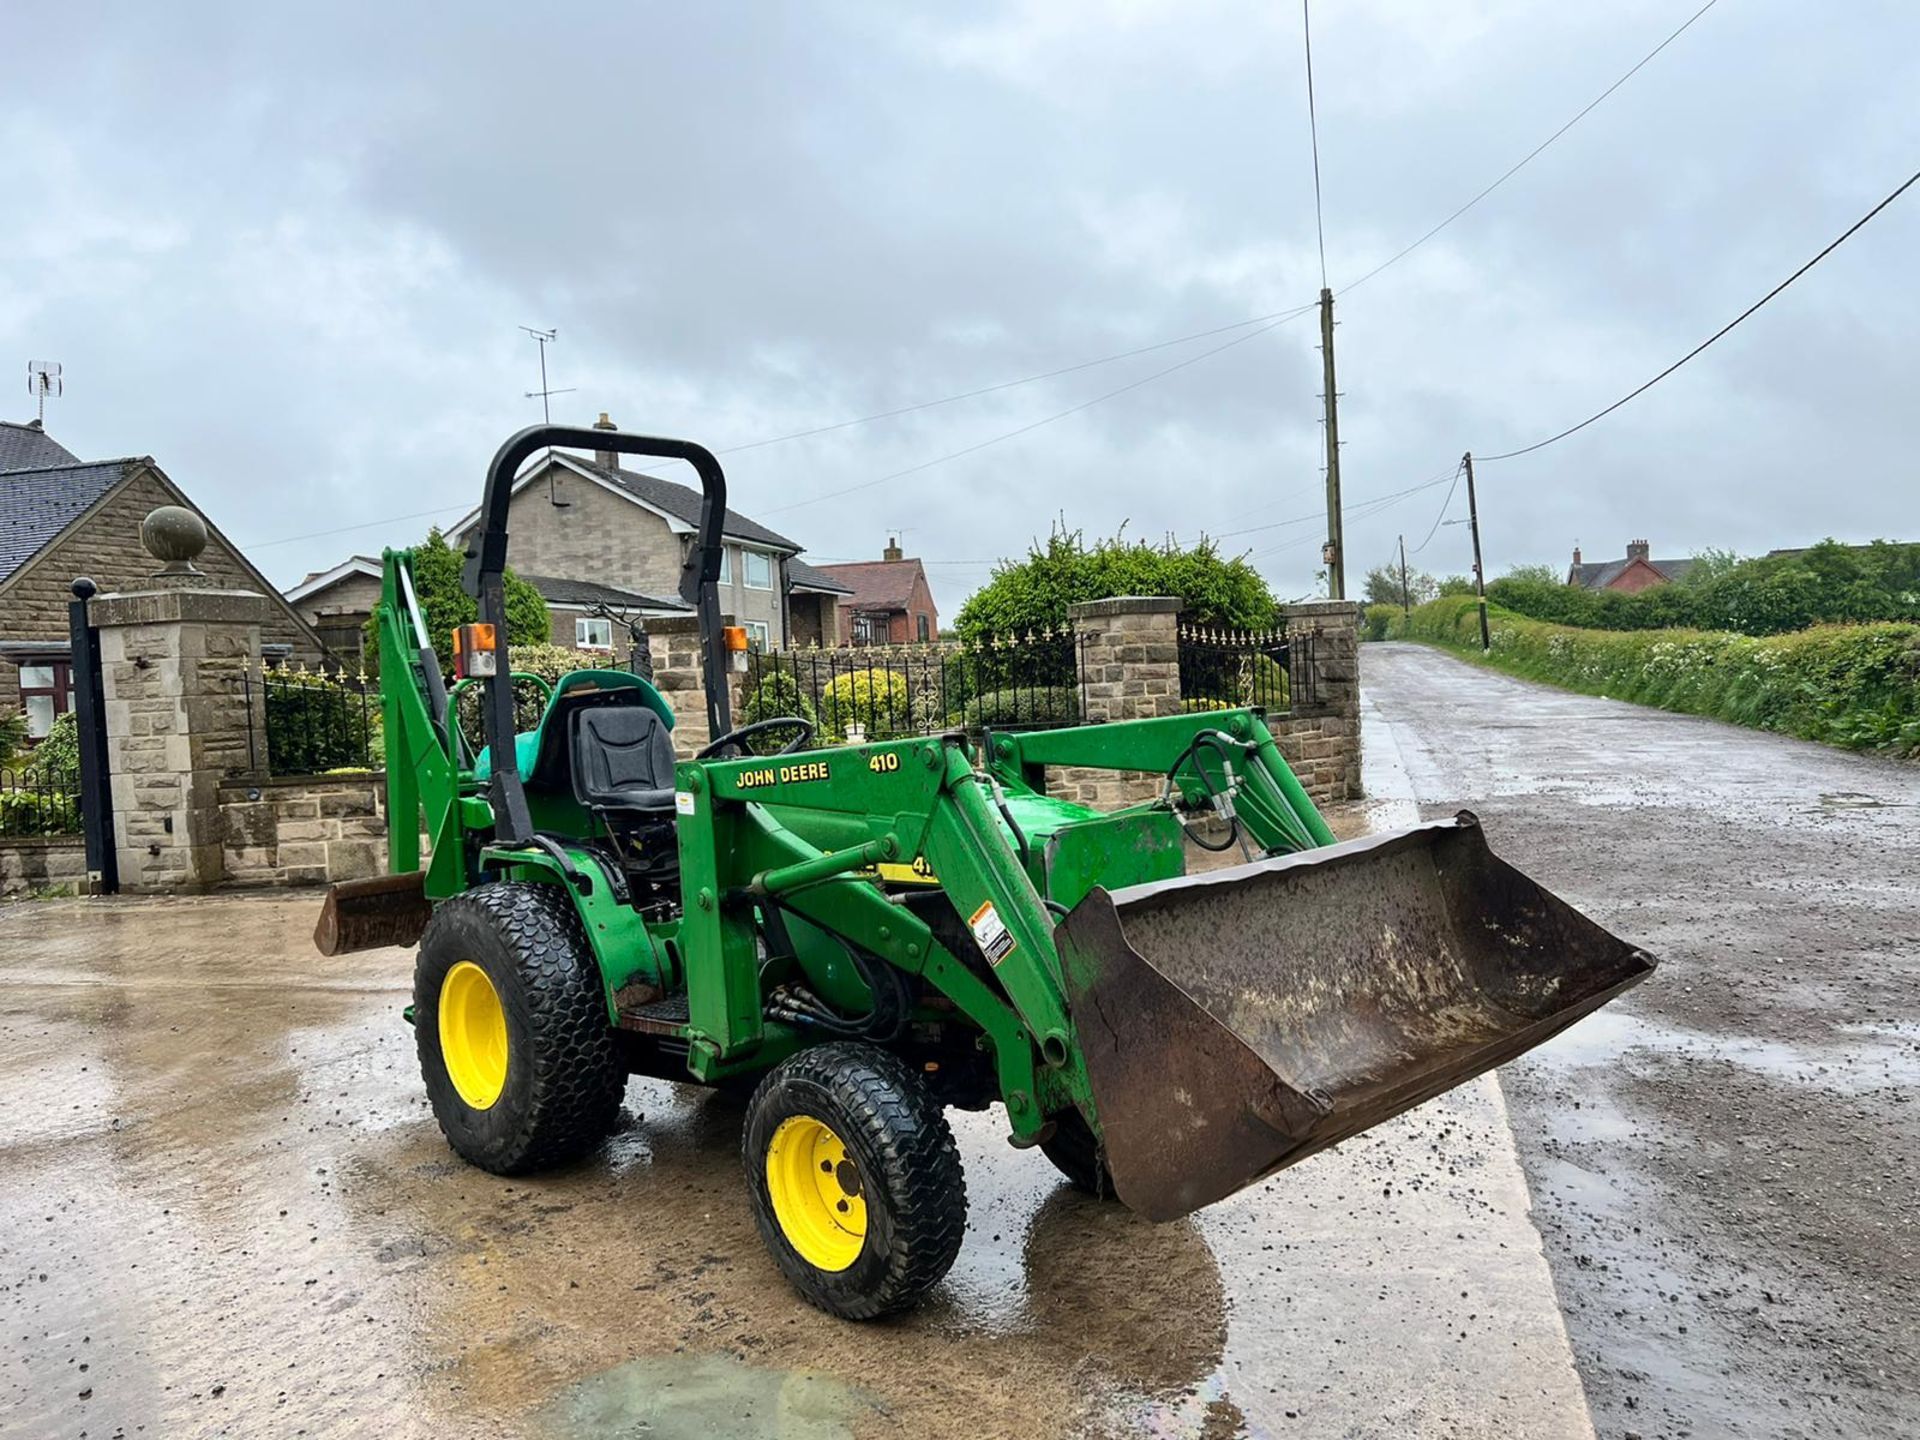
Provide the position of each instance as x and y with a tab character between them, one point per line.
370	914
1236	1022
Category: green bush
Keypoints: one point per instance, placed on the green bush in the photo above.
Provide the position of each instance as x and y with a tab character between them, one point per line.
1851	685
878	699
1039	705
775	695
58	753
315	723
1378	618
13	735
39	812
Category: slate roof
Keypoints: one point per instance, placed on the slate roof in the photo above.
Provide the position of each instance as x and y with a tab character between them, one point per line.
878	584
37	504
1598	574
28	447
683	503
556	591
814	578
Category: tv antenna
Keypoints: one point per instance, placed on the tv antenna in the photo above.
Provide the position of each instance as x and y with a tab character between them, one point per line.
544	394
43	379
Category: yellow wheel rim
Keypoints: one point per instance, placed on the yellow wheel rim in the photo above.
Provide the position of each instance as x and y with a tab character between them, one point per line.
473	1035
817	1193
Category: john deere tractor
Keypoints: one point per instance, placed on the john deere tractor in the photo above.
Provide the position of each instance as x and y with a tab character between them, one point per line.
860	936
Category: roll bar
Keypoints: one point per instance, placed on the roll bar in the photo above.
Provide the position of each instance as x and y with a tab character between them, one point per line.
484	579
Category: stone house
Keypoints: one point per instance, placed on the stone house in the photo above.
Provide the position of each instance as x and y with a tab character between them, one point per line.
1635	573
891	603
814	599
61	517
590	519
585	615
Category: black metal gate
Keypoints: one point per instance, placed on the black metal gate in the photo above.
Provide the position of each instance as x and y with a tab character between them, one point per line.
89	704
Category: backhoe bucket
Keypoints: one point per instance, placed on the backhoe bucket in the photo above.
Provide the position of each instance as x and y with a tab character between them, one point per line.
1236	1022
370	914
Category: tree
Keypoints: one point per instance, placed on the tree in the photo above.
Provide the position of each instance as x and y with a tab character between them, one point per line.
1456	585
1383	585
1035	591
445	606
1709	565
1536	574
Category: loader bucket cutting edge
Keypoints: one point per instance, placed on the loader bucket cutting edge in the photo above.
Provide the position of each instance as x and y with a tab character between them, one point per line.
1236	1022
370	914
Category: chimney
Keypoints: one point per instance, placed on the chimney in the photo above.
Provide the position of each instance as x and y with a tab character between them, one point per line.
1637	549
1576	554
892	552
605	459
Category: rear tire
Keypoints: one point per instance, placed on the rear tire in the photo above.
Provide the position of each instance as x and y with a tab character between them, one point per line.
1076	1155
856	1183
511	1023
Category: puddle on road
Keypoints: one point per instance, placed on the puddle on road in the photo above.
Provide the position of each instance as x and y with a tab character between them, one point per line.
703	1397
1871	1056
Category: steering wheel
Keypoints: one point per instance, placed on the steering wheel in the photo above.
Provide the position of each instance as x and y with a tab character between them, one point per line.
731	740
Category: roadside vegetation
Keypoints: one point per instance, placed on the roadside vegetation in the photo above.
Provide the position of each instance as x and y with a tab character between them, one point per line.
1856	686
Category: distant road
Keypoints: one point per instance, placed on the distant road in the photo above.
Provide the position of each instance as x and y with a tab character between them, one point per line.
1725	1164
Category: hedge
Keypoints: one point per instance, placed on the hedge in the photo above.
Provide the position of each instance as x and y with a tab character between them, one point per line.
1852	685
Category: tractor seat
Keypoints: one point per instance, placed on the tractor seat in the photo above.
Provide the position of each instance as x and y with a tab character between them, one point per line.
622	760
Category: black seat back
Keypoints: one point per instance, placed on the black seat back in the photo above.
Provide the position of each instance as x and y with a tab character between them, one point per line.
622	759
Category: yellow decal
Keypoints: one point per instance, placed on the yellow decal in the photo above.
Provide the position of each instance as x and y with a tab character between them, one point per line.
918	873
880	764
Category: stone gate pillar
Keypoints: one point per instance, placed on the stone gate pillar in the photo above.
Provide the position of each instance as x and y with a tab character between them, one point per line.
1129	649
175	664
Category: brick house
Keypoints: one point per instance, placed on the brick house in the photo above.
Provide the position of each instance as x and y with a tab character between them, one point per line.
891	603
62	517
585	614
593	520
1635	573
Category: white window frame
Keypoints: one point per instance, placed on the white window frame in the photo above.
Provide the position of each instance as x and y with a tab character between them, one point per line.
726	564
758	636
585	626
747	557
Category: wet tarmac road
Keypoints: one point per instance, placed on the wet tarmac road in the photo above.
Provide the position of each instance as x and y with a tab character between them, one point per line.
225	1210
1725	1164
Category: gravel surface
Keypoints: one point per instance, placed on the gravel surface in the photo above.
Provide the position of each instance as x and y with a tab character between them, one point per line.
1724	1163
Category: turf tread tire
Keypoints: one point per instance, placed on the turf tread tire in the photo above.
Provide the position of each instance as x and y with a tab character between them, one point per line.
564	1078
914	1185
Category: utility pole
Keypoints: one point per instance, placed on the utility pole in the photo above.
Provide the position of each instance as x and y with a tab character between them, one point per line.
1335	552
1406	597
1479	570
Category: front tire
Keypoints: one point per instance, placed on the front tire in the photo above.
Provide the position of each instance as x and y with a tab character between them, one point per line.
1077	1155
856	1183
511	1023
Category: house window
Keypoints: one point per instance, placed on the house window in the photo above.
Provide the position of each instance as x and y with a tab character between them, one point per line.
591	632
759	569
921	620
726	565
756	630
44	694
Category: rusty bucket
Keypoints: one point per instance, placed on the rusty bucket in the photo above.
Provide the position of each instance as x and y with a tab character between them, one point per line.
371	914
1236	1022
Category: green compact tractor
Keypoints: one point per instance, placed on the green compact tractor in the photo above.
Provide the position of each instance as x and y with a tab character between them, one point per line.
860	936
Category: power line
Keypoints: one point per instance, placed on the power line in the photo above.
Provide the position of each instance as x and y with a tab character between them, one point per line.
1831	246
348	529
1321	514
1528	158
1360	510
1036	424
1435	529
1313	130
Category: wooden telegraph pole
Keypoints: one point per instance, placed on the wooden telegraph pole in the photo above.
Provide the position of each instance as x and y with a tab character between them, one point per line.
1479	570
1336	553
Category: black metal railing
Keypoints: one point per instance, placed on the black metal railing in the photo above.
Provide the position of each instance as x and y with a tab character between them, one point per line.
1028	681
312	722
37	800
1222	668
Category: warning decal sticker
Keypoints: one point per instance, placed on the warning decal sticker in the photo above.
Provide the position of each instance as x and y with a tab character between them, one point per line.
991	933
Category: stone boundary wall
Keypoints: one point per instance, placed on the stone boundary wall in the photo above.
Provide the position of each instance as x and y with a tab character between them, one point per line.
303	830
30	863
1321	741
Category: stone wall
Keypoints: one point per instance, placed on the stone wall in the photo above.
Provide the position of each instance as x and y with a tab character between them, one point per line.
1321	738
31	863
303	831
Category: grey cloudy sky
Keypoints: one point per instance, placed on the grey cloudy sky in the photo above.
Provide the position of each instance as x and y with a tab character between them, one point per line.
285	252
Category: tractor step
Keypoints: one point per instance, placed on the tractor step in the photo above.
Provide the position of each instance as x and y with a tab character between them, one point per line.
660	1017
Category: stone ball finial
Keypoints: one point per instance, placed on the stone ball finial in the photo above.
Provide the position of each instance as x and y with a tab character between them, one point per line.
176	535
